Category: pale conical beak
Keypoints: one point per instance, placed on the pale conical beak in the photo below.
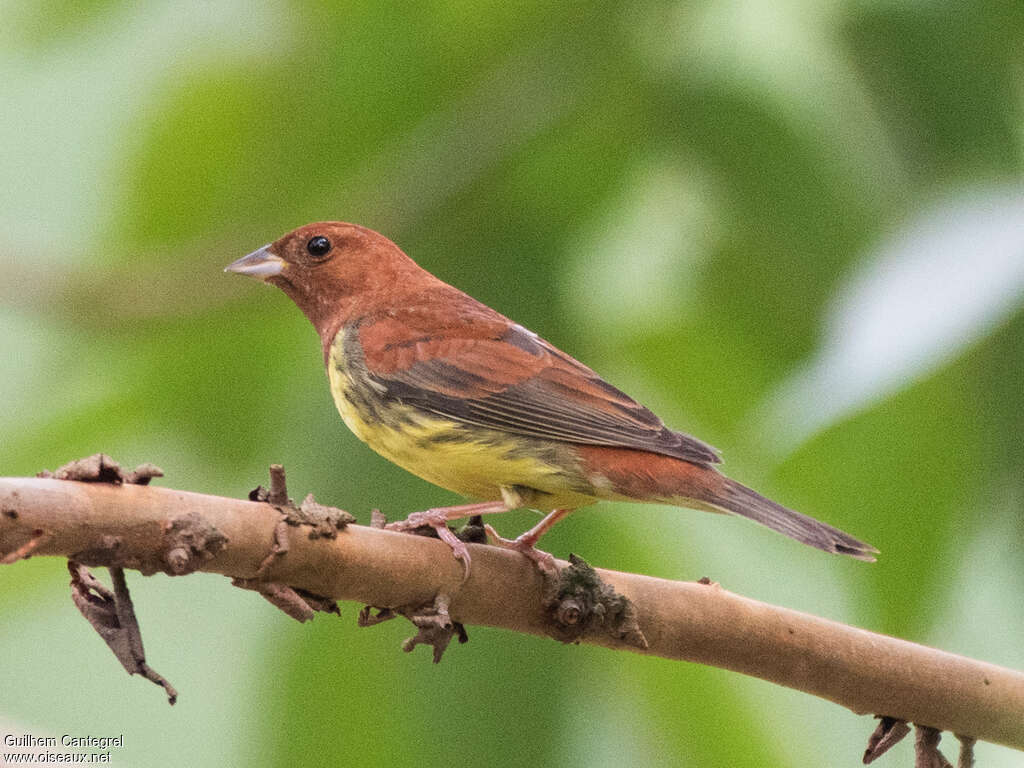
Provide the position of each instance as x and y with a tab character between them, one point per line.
261	264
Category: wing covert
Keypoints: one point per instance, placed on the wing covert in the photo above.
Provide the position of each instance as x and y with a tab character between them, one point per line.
493	373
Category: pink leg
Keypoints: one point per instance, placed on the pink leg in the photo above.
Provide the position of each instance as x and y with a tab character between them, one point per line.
526	543
438	518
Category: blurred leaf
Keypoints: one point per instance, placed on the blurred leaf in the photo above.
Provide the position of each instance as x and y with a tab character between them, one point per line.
942	283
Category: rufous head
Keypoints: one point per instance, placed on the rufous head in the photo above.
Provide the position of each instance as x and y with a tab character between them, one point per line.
332	270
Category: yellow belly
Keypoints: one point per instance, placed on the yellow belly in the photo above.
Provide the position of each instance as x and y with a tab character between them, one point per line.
472	461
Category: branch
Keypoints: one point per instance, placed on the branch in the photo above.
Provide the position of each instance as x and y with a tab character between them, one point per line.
159	529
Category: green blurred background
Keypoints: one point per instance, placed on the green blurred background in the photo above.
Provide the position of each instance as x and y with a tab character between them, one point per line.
794	228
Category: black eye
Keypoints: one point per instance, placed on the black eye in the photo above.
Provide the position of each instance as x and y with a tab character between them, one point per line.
318	246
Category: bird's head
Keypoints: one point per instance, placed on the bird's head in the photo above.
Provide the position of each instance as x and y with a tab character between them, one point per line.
333	271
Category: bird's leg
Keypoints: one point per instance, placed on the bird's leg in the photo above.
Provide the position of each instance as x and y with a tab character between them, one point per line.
527	542
438	518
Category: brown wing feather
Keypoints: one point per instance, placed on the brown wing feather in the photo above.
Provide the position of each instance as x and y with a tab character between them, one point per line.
473	365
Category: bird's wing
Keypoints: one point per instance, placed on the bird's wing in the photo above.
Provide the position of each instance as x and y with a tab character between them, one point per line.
472	365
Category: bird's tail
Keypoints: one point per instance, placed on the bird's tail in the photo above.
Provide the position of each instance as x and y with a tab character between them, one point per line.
628	474
738	499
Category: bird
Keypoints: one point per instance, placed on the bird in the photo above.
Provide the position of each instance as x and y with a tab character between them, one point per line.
464	397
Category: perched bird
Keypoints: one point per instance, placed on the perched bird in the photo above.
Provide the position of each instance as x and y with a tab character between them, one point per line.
467	399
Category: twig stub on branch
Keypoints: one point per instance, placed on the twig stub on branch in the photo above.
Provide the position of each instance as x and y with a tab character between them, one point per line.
190	541
890	731
324	522
926	748
434	627
100	468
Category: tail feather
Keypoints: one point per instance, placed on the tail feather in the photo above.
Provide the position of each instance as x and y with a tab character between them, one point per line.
740	500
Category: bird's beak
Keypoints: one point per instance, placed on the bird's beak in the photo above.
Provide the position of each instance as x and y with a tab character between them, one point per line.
261	264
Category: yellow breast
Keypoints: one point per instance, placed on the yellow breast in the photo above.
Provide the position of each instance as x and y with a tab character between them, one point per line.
470	460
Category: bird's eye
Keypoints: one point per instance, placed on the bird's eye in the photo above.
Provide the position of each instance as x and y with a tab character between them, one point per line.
318	246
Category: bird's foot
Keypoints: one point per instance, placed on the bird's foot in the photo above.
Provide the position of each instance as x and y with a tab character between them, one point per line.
525	544
437	519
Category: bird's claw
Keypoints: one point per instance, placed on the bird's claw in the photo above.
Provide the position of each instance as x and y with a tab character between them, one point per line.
438	521
544	561
459	548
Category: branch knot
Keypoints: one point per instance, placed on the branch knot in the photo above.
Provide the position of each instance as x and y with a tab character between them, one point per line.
579	602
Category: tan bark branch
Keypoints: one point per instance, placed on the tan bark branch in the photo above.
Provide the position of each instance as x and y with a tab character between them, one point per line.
140	527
